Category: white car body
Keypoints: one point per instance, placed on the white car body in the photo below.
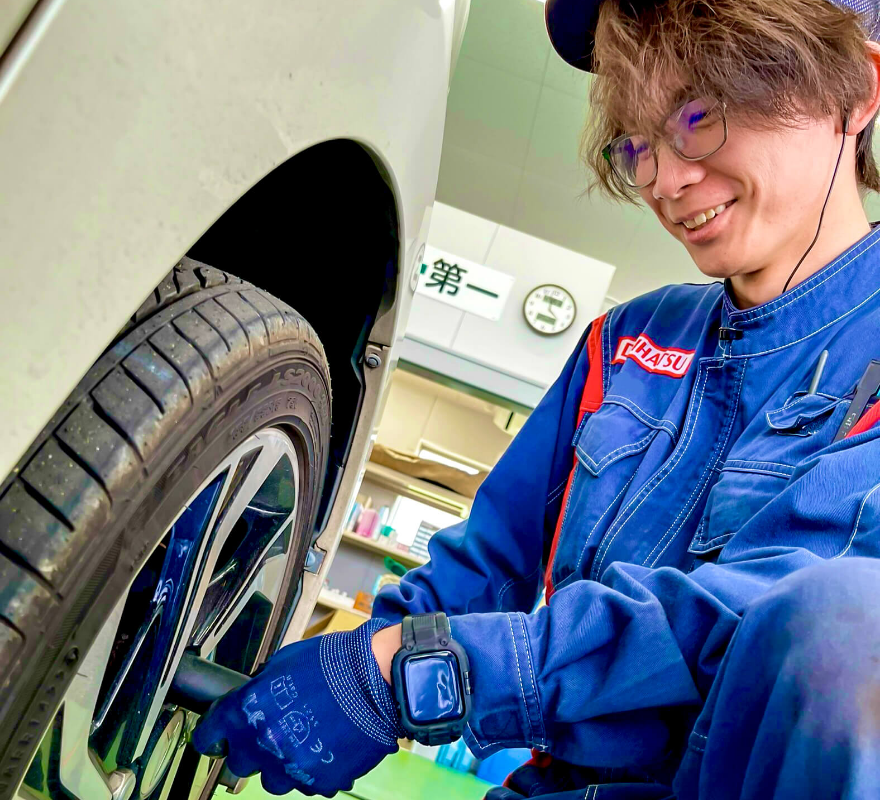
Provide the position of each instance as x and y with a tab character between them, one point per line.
128	128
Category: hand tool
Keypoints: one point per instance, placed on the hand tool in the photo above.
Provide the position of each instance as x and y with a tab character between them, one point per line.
199	682
869	385
868	420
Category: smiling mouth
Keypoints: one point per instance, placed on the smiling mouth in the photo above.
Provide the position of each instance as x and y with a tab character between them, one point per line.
706	216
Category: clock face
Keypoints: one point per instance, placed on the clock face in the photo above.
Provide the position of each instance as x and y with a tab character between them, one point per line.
549	309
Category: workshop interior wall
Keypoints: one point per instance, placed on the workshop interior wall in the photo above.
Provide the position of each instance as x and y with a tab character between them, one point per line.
419	412
509	344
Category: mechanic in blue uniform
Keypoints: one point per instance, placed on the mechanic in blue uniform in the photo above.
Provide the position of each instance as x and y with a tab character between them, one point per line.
698	492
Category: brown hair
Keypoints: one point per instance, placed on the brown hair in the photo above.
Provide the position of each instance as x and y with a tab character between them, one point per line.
772	63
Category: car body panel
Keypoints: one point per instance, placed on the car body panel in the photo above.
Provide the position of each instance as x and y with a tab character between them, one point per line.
127	129
12	14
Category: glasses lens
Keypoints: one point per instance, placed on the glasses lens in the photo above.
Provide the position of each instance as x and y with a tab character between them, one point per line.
633	160
697	130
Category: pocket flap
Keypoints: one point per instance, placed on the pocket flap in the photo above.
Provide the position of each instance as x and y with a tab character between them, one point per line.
742	490
801	410
608	435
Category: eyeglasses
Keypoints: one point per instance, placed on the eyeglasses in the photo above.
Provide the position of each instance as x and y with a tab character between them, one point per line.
695	131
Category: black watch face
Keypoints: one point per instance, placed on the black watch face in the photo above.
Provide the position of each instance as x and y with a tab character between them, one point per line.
433	693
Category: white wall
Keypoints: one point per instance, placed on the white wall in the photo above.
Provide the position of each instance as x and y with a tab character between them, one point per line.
509	344
418	410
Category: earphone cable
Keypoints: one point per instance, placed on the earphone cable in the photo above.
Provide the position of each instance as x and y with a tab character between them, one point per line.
827	196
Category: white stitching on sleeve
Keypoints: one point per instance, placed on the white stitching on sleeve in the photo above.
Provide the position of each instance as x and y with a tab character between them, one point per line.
519	675
556	492
511	583
858	519
528	649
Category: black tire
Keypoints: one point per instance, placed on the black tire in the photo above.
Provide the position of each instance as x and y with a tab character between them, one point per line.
206	361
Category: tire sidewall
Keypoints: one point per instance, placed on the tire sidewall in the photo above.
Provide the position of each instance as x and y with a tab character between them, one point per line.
288	391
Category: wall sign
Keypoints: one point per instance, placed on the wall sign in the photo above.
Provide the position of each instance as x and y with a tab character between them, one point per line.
464	284
549	309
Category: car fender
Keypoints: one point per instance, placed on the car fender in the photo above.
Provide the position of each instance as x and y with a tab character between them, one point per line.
128	128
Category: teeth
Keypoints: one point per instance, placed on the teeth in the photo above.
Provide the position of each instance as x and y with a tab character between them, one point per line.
702	219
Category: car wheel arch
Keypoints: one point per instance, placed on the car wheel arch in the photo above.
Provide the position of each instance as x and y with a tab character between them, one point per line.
284	234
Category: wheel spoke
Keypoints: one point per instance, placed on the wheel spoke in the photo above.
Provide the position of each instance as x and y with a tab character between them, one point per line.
71	763
271	452
184	550
265	539
266	581
77	771
233	504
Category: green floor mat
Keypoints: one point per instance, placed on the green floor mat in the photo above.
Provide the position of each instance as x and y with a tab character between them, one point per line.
403	776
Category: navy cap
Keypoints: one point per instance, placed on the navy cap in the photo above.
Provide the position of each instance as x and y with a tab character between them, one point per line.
571	25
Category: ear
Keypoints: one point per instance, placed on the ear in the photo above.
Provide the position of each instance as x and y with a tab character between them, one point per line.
861	116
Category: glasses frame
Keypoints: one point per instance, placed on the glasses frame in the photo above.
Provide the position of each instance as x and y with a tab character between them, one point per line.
606	151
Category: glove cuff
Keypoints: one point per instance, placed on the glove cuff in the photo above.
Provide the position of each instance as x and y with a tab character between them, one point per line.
356	682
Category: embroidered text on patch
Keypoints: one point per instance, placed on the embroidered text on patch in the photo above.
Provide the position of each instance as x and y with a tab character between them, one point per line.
662	360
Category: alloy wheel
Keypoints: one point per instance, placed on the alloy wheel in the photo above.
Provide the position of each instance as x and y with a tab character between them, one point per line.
209	590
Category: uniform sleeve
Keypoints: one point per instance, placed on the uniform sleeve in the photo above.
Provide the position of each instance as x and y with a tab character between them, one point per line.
493	560
607	671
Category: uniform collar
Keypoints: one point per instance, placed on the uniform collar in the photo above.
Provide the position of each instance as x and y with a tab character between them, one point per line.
825	298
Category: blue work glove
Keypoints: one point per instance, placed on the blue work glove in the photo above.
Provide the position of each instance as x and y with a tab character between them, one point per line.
318	716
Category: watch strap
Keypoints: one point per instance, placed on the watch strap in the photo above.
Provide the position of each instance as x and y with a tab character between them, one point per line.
421	633
425	631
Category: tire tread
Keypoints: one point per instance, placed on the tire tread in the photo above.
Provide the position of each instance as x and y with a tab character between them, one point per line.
204	339
94	450
97	444
130	409
186	360
102	440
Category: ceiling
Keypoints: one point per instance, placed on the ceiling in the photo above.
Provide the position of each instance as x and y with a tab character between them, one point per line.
510	152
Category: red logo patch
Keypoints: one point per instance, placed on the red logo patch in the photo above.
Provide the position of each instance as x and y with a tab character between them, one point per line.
669	361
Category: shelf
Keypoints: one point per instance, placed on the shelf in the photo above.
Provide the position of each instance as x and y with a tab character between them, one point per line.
330	600
417	489
407	559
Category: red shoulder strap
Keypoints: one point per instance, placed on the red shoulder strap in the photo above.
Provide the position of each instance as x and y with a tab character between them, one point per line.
590	402
593	388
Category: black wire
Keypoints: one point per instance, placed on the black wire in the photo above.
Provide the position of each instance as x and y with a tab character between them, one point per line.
827	196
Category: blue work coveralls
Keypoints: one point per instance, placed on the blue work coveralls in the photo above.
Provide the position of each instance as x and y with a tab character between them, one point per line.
712	624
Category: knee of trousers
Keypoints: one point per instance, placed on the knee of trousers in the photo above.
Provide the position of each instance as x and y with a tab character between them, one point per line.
820	625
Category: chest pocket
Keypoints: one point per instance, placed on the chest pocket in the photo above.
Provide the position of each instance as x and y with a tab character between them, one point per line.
804	415
760	470
609	447
617	430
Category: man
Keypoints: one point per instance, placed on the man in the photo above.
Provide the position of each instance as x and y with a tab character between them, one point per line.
713	624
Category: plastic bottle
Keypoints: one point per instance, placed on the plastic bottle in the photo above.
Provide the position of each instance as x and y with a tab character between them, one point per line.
384	513
354	517
368	522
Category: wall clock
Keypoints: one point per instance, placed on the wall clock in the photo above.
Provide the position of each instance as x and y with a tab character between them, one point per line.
549	309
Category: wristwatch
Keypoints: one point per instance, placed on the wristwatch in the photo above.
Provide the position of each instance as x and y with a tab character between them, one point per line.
431	679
